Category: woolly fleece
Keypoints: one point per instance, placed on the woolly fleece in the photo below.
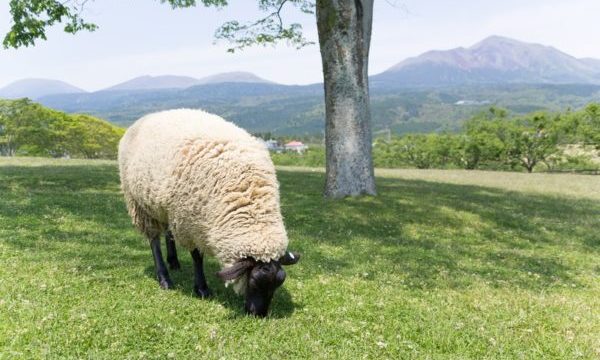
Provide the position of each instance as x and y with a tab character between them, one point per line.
209	181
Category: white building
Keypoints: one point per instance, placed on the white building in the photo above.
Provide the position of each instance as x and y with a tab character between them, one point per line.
296	146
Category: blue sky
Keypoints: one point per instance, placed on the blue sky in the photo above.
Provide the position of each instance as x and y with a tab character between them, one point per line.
139	37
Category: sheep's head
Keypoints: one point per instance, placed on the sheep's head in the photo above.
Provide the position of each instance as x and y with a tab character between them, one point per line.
263	278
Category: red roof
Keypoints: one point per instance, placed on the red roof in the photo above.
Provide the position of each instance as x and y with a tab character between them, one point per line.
294	143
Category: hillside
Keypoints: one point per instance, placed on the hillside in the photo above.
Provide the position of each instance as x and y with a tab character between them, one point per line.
299	110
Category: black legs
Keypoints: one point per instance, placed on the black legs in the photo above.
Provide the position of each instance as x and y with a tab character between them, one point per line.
171	252
200	287
162	274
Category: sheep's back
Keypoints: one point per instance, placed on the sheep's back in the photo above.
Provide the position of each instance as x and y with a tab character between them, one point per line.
188	168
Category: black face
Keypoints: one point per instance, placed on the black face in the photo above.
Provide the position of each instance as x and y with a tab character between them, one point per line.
263	280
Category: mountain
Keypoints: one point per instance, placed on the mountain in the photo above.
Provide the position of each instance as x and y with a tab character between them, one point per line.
148	82
594	63
36	88
234	77
495	60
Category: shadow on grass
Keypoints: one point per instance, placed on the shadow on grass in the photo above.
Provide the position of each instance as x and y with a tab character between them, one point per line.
282	305
429	234
439	234
76	213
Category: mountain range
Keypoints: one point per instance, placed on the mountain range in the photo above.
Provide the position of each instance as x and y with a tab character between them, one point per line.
494	60
430	92
181	82
36	88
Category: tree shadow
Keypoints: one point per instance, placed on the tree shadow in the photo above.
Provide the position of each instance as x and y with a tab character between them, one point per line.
76	214
93	177
429	235
442	235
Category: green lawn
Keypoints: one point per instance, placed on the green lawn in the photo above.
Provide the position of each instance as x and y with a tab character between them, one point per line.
436	266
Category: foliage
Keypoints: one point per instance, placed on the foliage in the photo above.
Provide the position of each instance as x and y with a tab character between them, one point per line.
27	128
268	30
430	268
314	156
582	126
31	18
491	139
531	140
578	163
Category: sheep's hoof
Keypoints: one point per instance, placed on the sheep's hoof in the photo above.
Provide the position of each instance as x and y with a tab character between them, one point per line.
202	293
165	284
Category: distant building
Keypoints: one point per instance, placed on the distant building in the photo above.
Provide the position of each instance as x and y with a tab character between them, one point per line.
273	145
296	146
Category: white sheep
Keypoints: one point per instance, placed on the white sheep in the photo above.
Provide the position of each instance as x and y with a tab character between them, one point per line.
214	187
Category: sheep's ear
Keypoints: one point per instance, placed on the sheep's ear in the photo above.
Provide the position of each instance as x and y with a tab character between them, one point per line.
236	270
289	258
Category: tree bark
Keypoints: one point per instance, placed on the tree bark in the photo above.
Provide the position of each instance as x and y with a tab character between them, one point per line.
344	28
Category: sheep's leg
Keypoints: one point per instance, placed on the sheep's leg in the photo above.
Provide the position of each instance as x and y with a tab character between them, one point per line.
200	287
171	251
162	274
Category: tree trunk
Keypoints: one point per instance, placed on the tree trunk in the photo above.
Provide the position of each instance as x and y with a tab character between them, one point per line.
344	28
529	165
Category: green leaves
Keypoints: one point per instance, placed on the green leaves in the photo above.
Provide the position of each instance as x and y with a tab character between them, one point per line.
28	128
32	17
190	3
494	140
270	29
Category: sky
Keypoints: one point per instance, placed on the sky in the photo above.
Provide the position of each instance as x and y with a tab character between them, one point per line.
145	37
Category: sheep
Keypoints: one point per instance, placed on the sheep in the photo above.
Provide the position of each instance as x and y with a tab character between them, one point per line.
212	188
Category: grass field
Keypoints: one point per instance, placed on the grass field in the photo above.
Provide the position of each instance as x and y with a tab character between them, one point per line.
439	265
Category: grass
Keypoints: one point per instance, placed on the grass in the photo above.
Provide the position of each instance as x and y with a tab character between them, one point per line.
436	266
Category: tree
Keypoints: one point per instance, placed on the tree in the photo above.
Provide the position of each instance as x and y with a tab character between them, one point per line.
589	131
27	128
344	28
482	142
530	141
